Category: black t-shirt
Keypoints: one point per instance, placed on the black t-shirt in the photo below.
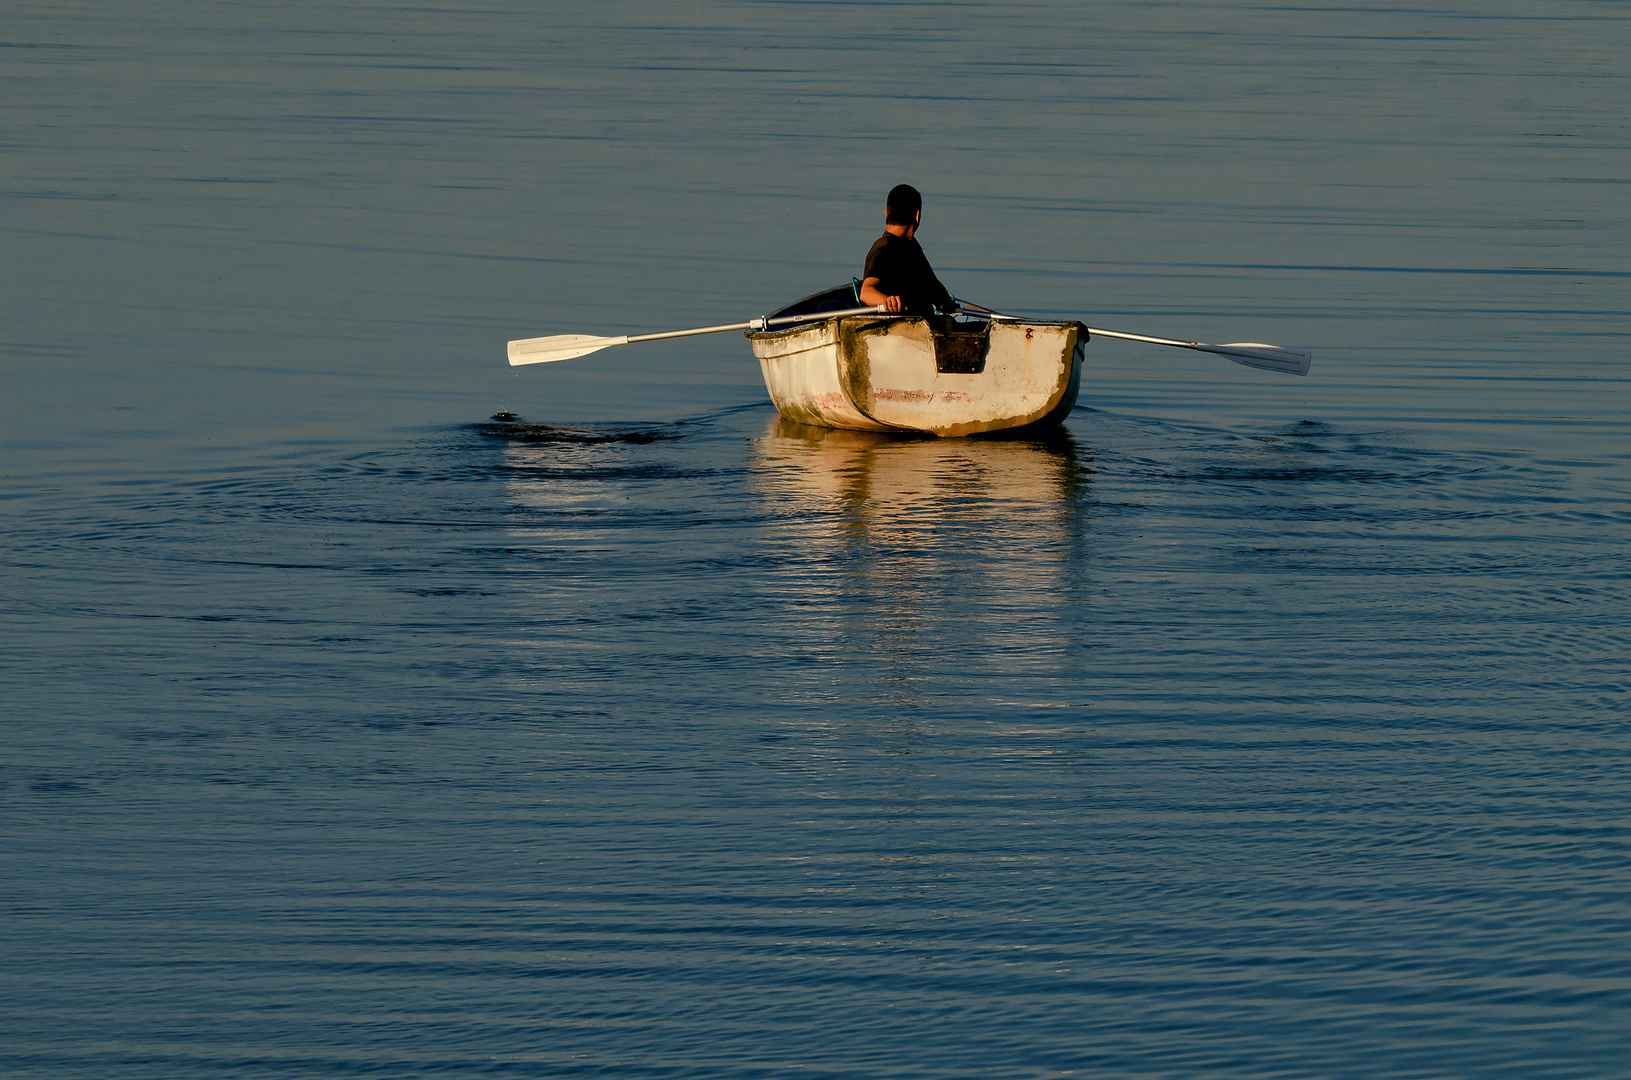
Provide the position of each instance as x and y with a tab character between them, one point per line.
903	270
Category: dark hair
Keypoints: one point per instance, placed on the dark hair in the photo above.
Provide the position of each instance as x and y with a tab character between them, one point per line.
903	205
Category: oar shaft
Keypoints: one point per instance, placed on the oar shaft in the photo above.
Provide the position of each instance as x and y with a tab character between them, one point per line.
1096	332
1145	338
756	324
878	310
687	333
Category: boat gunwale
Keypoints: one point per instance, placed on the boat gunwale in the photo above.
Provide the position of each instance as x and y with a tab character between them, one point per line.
801	328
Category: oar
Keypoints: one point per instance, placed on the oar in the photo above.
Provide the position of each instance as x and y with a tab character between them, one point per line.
1250	353
544	350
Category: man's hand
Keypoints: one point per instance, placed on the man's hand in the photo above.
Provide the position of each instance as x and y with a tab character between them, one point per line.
894	303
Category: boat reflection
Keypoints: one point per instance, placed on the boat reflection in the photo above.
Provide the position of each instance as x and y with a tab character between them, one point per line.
921	552
882	472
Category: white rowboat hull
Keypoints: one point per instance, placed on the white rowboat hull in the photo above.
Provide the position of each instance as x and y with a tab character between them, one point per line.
933	375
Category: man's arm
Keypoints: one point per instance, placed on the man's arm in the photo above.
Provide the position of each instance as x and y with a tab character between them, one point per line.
871	294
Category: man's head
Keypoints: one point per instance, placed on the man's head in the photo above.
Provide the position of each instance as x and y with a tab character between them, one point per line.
903	206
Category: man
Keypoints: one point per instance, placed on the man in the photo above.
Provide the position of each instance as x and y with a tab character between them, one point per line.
897	274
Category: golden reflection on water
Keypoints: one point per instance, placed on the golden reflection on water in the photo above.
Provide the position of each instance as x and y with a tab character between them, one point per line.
924	551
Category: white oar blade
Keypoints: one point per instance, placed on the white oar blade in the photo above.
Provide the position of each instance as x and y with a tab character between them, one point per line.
546	350
1268	357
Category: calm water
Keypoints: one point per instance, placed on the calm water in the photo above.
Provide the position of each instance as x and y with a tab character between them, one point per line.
1249	726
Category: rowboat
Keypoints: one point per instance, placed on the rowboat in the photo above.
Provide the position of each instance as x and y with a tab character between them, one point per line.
937	374
828	363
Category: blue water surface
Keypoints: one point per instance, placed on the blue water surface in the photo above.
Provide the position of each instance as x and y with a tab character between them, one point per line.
373	709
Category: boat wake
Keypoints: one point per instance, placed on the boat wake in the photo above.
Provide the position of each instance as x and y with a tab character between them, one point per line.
509	426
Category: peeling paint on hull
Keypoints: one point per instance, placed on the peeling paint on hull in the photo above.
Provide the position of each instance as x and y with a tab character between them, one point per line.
904	373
